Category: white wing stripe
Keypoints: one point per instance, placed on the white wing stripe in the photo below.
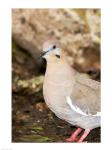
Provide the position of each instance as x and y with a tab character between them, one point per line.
77	109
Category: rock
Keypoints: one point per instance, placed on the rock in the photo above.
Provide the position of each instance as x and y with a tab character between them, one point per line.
41	106
33	85
93	20
78	39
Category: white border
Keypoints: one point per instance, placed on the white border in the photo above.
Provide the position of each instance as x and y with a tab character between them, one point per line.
56	4
5	70
106	91
5	76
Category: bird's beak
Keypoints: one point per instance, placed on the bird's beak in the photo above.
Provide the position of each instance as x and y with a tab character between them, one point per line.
43	53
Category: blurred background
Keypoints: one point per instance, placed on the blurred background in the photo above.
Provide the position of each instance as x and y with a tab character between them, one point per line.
78	32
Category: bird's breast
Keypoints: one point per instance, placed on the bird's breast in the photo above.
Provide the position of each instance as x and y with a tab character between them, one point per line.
56	87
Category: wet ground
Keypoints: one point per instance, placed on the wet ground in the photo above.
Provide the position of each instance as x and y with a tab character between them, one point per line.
32	121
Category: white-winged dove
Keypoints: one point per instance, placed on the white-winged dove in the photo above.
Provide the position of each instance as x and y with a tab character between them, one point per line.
72	96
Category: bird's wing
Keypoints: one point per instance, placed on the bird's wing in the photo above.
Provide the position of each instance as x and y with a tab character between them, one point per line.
85	96
84	79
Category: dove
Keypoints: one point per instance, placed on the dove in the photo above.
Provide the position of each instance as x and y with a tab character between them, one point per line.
71	95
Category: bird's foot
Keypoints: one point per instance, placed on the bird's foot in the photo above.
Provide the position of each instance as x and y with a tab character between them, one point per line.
74	137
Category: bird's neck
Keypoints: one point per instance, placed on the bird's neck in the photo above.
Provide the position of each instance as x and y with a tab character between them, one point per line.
58	66
55	62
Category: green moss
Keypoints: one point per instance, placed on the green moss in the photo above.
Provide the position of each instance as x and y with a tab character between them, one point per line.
35	138
38	128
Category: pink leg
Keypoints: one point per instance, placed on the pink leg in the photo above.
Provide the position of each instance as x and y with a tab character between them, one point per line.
73	137
84	135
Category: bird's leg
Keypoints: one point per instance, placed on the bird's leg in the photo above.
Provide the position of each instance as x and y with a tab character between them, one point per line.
84	135
73	137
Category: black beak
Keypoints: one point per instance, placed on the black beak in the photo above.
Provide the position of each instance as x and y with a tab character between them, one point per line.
42	54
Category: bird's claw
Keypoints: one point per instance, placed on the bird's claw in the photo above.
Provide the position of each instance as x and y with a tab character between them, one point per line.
72	139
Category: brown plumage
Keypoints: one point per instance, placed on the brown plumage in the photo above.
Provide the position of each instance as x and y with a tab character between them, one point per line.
72	96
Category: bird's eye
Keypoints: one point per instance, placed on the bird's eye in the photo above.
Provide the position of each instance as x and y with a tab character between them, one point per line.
54	46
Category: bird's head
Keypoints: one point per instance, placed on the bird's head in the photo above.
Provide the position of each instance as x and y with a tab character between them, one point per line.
51	48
